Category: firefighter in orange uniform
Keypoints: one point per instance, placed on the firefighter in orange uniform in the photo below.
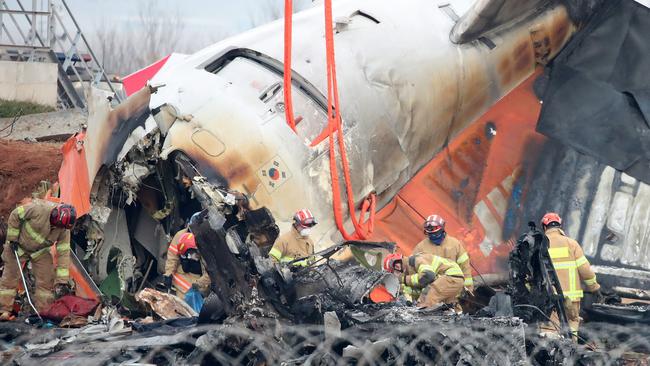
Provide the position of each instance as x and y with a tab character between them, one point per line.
439	243
572	268
184	268
436	279
32	230
296	243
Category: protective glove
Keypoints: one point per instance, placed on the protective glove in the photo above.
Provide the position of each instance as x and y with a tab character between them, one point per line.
598	296
14	245
62	289
167	281
469	290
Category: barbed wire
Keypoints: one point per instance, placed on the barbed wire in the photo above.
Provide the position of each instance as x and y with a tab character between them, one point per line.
454	341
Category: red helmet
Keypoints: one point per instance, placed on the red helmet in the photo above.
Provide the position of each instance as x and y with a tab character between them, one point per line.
389	261
433	224
63	216
304	218
186	243
551	217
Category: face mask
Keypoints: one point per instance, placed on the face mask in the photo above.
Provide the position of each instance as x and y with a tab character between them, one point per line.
305	232
191	266
437	237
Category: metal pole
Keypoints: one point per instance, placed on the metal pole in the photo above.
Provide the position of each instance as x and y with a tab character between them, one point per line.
22	8
50	25
33	31
22	275
2	24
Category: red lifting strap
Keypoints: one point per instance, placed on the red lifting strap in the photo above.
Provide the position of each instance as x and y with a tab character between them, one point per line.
288	100
362	228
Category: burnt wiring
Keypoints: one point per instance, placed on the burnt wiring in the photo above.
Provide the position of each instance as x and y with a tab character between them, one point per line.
12	124
333	294
316	262
481	276
554	324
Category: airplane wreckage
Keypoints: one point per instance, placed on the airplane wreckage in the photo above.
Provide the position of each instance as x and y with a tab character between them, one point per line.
440	112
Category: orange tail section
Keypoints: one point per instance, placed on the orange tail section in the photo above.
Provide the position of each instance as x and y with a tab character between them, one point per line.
476	183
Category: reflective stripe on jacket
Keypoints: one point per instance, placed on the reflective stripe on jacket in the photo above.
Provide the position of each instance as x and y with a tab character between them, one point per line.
29	225
421	269
290	246
173	268
571	265
450	248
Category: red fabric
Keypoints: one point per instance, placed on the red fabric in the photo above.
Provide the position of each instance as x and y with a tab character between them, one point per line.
69	304
136	81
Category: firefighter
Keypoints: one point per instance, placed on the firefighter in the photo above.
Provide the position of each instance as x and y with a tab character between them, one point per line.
32	230
184	268
572	268
296	243
436	279
439	243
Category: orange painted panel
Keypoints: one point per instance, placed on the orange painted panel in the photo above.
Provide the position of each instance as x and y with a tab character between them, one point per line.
73	175
476	183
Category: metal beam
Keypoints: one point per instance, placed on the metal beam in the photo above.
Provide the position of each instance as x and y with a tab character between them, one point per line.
26	12
24	47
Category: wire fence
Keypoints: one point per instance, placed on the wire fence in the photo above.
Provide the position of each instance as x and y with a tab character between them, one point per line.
254	341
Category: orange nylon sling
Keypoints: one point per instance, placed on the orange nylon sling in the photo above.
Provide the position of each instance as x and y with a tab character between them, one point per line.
363	229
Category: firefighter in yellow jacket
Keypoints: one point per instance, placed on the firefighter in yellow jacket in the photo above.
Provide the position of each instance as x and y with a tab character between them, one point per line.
437	279
184	268
32	230
439	243
572	268
296	243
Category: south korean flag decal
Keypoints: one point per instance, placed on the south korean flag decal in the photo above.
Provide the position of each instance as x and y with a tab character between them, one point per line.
273	174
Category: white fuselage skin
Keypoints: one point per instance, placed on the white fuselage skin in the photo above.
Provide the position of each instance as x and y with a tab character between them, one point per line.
405	91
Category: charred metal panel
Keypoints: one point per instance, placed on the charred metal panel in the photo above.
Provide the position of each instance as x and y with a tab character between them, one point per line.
598	95
230	278
347	283
152	236
485	15
108	128
443	332
113	247
534	286
603	209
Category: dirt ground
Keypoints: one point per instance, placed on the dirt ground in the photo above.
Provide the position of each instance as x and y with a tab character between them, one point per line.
22	166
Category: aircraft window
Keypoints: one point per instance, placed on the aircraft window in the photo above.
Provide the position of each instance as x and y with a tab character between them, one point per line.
258	81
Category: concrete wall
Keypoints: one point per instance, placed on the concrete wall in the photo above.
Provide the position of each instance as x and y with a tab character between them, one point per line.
28	81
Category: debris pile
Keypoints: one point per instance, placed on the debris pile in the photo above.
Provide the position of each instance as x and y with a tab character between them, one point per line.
166	306
398	335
